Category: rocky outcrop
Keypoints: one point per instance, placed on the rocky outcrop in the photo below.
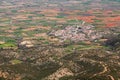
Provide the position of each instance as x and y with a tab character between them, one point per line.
26	43
59	73
9	76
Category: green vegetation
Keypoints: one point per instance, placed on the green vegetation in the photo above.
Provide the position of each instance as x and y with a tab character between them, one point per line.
40	15
9	42
13	11
30	17
46	42
18	33
26	21
15	61
87	2
110	0
59	16
41	38
74	21
6	21
96	20
71	21
72	48
2	10
7	45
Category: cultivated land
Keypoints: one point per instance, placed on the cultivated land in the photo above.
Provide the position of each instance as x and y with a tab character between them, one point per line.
59	39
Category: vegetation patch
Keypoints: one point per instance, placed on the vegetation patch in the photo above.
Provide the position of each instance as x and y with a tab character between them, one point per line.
16	61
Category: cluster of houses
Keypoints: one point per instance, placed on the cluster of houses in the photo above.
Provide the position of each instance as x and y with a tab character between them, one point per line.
78	33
